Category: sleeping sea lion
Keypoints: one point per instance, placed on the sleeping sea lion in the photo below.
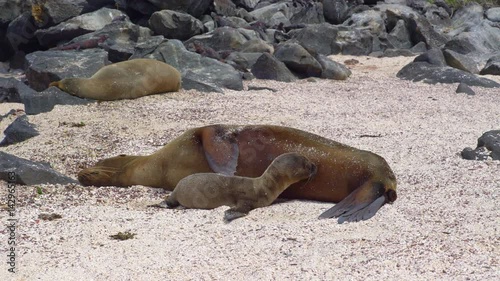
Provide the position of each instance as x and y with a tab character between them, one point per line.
360	180
124	80
243	194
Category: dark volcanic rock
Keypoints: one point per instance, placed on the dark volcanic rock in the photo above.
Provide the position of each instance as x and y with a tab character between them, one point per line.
213	71
332	69
20	130
224	38
370	19
12	90
488	146
29	172
77	26
433	56
327	39
121	38
428	73
245	60
290	12
196	8
175	25
20	35
399	37
46	67
268	67
36	103
492	66
335	11
422	31
462	62
298	60
464	88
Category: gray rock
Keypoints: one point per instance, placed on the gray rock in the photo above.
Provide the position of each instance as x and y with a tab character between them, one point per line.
77	26
488	147
20	130
464	88
391	53
433	56
247	4
257	46
289	12
465	18
462	62
196	8
12	90
399	37
58	11
213	71
29	172
194	81
327	39
245	60
12	9
479	43
36	103
224	38
493	14
428	73
20	35
45	67
270	68
175	25
369	19
419	48
332	69
422	31
492	67
335	11
121	39
225	7
298	60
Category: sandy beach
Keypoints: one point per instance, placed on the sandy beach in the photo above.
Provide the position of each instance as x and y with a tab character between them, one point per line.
445	224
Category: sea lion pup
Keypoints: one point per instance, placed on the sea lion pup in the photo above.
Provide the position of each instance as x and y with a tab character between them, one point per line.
243	194
124	80
360	180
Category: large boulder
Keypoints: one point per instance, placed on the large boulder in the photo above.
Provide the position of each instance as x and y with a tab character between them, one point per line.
12	90
45	67
332	69
207	69
196	8
298	60
488	147
20	130
428	73
175	25
22	171
462	62
492	67
328	39
290	12
269	68
77	26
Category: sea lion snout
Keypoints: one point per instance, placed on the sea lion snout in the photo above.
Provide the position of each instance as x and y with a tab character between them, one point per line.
391	196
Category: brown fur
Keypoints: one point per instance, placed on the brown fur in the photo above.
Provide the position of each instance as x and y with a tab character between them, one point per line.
124	80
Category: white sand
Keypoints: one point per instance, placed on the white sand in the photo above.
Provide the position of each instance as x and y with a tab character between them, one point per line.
444	225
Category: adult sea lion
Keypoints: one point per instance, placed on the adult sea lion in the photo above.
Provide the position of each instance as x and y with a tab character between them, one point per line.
124	80
243	194
360	180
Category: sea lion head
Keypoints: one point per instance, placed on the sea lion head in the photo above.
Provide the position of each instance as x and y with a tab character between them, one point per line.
295	166
68	85
107	172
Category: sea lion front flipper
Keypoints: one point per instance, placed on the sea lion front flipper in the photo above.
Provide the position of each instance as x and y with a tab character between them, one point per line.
241	209
221	150
168	203
361	204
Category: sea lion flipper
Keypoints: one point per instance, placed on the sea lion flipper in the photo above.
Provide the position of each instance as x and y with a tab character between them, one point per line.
361	204
232	214
221	150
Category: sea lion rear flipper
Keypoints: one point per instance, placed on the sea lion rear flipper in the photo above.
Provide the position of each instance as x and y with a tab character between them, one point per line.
361	204
221	150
